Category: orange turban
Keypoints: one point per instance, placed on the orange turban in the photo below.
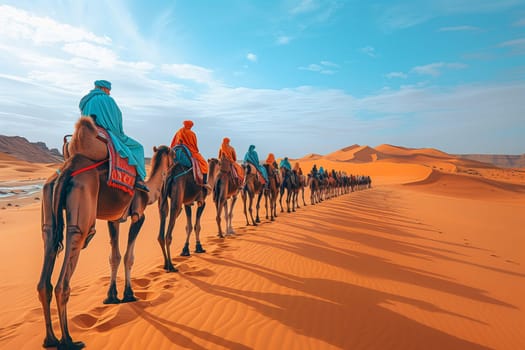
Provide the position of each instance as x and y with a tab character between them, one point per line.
226	140
188	124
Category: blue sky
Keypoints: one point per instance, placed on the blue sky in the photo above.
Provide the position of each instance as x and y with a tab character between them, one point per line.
291	77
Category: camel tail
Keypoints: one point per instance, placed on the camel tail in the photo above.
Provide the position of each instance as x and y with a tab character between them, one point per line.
58	205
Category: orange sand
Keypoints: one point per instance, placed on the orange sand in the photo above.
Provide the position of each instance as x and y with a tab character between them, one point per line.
430	258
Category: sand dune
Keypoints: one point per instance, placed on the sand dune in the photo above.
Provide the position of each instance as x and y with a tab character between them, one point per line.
428	258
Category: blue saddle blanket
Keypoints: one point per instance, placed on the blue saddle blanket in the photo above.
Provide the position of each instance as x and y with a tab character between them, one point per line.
183	155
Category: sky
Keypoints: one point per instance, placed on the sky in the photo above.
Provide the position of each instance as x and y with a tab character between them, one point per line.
291	77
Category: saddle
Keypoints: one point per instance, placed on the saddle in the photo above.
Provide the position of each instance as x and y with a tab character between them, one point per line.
184	158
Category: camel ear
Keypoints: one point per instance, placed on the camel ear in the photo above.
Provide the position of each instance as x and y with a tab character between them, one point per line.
154	148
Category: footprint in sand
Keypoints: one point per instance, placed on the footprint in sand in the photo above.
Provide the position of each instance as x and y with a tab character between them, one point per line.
141	282
105	318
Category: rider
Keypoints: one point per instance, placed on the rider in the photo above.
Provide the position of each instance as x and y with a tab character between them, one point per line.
270	160
285	164
315	173
228	151
106	113
321	172
188	138
252	157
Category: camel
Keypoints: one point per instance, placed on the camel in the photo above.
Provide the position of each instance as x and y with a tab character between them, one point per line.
315	196
270	196
303	182
290	183
79	187
180	188
252	187
225	187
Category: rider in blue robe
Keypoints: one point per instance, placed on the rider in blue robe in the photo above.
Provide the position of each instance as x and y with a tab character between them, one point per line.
252	157
108	115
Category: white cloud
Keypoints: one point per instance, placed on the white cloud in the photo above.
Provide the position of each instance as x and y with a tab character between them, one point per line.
369	50
396	75
18	24
189	72
324	67
305	6
458	28
434	69
283	40
251	57
514	43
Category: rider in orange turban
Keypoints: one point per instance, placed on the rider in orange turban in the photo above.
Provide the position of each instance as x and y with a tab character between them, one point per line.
228	151
188	138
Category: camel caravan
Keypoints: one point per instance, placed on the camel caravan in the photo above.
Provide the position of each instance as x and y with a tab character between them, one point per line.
99	180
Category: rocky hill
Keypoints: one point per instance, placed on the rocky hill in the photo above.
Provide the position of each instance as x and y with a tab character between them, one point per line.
35	152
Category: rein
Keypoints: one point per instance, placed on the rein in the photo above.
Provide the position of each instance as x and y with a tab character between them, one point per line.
183	173
89	167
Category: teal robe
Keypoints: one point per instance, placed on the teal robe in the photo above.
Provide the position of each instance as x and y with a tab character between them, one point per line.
285	163
109	116
252	157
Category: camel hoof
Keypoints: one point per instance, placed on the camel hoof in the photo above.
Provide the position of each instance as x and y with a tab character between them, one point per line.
128	296
111	300
129	299
172	269
199	249
220	235
70	345
50	342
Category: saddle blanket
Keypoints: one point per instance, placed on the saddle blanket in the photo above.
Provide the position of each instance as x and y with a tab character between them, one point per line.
183	156
121	175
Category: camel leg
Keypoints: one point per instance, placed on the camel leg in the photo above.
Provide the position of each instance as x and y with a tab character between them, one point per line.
163	212
45	288
189	228
197	228
74	242
175	211
129	258
219	206
224	207
250	206
114	262
266	205
281	192
229	216
258	205
243	194
80	215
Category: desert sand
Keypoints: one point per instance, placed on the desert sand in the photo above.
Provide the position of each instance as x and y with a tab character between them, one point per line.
431	257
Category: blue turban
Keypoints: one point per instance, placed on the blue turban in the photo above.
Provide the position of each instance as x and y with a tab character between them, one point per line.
103	83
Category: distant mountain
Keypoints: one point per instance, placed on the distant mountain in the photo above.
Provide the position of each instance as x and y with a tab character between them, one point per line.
35	152
499	160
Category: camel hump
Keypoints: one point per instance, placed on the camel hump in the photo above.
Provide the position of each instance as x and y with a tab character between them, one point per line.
85	140
86	122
